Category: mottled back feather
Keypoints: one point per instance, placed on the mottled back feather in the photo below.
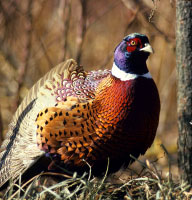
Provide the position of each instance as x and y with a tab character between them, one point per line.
19	150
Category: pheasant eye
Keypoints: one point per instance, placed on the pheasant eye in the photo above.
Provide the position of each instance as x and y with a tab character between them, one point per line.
133	43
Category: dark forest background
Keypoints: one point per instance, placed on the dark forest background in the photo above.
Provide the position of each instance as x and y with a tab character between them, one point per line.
36	35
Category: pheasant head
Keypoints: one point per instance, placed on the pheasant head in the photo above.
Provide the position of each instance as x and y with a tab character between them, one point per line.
131	54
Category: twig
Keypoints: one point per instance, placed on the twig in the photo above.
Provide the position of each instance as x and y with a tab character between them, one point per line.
153	10
82	29
1	128
105	176
109	9
142	7
44	51
51	192
36	177
169	162
65	17
27	51
9	55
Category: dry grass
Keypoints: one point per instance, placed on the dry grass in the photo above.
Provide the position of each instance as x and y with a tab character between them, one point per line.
149	184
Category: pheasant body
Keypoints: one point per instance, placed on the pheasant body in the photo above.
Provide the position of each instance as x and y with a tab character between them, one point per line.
103	127
79	117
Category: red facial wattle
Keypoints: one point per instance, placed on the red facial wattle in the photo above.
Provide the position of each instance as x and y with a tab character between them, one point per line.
133	44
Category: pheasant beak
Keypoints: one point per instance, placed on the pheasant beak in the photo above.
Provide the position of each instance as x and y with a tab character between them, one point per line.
147	48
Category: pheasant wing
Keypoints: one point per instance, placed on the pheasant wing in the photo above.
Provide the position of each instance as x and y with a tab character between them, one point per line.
19	150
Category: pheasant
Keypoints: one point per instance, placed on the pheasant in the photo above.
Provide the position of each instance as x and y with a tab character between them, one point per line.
78	117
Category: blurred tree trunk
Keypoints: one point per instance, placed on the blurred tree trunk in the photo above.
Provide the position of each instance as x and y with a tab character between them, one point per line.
1	128
184	95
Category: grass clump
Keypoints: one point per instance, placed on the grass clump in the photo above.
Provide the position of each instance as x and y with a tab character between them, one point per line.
149	185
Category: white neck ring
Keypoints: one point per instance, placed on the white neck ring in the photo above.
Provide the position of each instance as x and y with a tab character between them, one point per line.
123	76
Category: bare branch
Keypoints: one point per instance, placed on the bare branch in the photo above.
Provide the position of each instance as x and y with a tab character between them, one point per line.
142	8
1	128
82	29
153	10
44	51
27	51
105	12
65	7
9	55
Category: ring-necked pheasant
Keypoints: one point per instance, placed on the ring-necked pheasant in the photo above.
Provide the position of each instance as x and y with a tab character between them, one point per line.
76	116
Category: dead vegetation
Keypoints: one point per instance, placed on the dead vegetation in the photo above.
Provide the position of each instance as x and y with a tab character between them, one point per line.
148	184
